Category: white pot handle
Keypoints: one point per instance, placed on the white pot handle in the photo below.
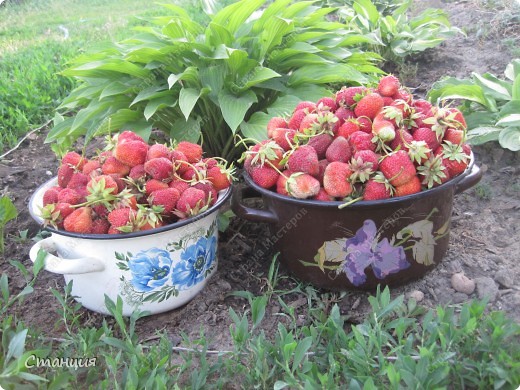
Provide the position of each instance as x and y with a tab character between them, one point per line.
58	265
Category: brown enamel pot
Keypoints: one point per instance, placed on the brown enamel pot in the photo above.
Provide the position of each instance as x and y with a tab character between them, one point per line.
387	242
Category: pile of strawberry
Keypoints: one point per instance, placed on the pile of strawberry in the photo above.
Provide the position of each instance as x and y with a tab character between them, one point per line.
132	186
363	144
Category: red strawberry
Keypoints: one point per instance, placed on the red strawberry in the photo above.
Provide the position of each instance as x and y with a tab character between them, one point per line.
79	221
454	158
347	128
402	140
166	198
65	209
339	150
343	114
265	176
323	196
266	152
418	151
159	168
365	124
455	136
130	152
70	196
363	164
369	105
405	95
154	185
397	168
137	172
326	104
193	152
65	172
384	130
377	188
281	182
433	172
100	226
220	177
296	119
306	105
304	159
388	85
302	186
275	122
456	118
307	122
320	143
284	137
180	161
211	193
423	106
323	165
91	166
410	187
349	96
158	150
74	159
51	195
121	217
191	201
113	165
427	135
209	162
179	185
388	101
128	135
360	140
336	179
78	180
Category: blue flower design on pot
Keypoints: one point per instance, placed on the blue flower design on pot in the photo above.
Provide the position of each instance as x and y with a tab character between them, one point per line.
150	269
363	250
197	259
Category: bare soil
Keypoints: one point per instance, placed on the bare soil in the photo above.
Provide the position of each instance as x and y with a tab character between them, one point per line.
484	244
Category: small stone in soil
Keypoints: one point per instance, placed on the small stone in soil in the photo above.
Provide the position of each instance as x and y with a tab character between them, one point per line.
416	295
504	278
487	288
462	283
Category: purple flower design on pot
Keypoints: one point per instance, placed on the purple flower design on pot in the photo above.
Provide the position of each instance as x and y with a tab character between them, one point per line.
197	259
364	250
150	269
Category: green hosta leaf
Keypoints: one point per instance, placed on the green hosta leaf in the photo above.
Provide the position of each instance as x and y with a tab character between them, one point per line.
210	7
114	88
239	62
275	8
94	110
113	65
16	345
7	210
510	138
513	70
234	108
509	114
493	86
234	15
481	135
186	130
256	126
516	88
117	121
325	74
140	127
157	104
480	119
149	93
468	92
273	33
60	130
367	11
283	106
309	92
257	76
187	99
213	77
218	35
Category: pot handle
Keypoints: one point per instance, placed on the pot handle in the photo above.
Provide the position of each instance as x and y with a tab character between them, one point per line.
62	266
470	180
251	214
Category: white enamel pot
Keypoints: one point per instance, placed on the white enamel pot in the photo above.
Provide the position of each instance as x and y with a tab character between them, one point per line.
155	270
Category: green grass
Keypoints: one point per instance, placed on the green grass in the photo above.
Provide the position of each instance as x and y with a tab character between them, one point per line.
33	50
399	345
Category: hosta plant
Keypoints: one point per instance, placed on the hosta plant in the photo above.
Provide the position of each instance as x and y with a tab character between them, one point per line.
396	35
212	81
491	105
